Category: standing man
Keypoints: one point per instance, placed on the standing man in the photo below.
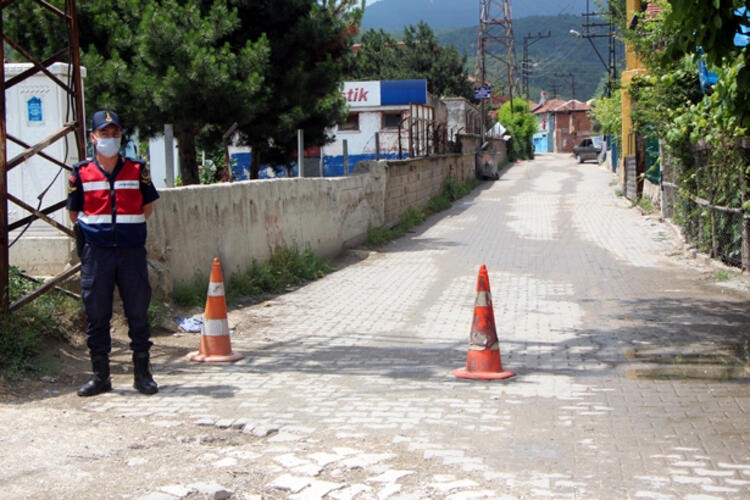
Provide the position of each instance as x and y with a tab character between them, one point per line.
109	198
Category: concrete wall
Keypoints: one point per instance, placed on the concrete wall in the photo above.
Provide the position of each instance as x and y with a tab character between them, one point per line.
462	116
411	183
242	221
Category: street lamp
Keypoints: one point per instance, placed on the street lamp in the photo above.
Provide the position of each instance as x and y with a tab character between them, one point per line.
577	34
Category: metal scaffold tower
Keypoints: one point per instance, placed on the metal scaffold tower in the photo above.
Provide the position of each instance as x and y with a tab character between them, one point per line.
73	88
497	41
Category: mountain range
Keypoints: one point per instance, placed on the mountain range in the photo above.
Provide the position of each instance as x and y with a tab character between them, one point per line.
560	64
393	15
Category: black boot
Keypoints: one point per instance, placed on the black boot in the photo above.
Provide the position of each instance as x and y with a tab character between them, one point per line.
99	381
143	381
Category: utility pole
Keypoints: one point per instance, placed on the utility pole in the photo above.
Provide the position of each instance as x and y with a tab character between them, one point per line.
612	50
482	69
593	29
529	40
572	77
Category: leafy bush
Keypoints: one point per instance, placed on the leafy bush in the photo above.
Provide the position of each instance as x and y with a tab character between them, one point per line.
521	124
699	129
377	236
23	331
607	113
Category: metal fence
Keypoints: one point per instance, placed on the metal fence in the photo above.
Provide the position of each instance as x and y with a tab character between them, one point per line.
719	229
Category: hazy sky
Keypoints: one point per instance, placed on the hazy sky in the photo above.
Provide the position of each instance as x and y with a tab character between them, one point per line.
566	6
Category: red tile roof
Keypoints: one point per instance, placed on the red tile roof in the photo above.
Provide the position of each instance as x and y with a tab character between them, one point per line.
548	106
572	105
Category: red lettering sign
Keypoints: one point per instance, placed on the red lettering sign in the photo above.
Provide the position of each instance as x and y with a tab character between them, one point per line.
358	94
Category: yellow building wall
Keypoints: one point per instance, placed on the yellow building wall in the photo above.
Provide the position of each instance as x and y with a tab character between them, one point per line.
633	67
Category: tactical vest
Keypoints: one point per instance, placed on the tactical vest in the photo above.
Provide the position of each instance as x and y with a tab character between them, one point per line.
112	213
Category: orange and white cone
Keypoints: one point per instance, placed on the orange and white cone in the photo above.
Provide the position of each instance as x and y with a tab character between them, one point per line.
216	346
483	361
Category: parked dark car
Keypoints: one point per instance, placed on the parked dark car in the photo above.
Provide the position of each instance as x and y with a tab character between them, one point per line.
591	148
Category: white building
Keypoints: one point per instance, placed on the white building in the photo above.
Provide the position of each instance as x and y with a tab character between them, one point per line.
402	113
36	108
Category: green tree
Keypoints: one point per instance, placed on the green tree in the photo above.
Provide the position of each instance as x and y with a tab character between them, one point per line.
205	64
418	56
607	113
712	26
376	57
699	129
188	75
521	124
309	41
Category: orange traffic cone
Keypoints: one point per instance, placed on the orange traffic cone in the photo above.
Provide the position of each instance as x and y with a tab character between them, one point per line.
483	361
216	346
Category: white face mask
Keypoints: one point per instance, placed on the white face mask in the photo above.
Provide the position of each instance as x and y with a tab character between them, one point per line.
108	146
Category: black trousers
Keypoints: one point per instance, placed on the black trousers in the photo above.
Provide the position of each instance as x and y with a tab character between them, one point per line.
102	270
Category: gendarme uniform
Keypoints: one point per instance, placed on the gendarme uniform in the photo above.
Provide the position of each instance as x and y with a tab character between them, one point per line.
111	219
108	207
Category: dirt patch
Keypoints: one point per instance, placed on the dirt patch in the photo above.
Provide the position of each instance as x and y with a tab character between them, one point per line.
64	363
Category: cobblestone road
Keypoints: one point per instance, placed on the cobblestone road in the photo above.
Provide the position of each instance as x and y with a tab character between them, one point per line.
346	388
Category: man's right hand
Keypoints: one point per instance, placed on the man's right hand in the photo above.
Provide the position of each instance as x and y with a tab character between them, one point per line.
80	239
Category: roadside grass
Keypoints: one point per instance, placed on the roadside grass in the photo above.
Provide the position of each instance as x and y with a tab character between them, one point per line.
452	191
645	204
723	275
24	331
191	292
287	267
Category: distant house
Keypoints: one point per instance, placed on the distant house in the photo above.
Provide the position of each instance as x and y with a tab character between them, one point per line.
572	123
562	124
544	139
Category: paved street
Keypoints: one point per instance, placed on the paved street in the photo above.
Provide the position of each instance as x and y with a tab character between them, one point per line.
621	344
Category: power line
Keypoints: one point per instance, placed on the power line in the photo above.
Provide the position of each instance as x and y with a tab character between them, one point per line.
572	77
525	70
593	29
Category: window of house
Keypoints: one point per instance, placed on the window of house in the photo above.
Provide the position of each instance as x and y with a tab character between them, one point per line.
391	120
351	123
